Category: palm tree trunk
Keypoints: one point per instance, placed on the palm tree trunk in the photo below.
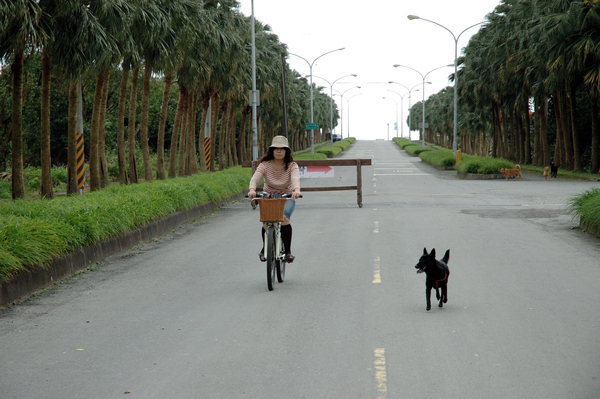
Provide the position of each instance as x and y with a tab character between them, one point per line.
527	137
18	184
104	178
231	150
214	119
537	122
47	191
121	125
544	131
148	176
595	161
575	133
183	139
568	147
94	135
160	146
243	142
223	133
131	126
558	145
175	136
72	139
191	166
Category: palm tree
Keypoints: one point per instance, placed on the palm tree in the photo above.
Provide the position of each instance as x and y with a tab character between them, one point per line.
78	40
21	32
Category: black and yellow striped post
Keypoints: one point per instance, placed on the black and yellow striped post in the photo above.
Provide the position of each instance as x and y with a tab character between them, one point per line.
207	151
80	164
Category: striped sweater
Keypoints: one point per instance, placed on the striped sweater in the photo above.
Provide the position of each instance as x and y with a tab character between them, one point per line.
276	181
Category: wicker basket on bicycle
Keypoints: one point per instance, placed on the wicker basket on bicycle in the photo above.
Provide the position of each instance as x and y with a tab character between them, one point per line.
271	210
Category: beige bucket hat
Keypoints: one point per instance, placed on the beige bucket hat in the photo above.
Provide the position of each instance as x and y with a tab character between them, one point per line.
280	142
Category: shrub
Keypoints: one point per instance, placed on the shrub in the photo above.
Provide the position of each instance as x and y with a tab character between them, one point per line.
439	158
586	206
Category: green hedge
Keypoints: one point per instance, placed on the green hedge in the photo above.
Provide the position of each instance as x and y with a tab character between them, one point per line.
482	165
34	232
332	150
587	207
439	158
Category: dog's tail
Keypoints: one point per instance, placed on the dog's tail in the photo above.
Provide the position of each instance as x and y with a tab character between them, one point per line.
446	257
518	167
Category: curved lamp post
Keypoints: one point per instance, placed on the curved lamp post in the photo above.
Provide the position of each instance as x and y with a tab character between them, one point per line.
310	65
342	110
331	102
422	76
350	98
391	99
411	17
409	104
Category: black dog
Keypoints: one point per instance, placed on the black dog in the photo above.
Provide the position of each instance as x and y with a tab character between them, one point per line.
437	272
553	170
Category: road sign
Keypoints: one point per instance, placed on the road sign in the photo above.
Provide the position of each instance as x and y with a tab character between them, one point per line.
316	171
312	126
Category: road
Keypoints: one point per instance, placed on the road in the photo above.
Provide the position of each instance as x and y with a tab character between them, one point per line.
190	316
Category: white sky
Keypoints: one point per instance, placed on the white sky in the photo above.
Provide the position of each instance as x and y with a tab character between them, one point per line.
376	35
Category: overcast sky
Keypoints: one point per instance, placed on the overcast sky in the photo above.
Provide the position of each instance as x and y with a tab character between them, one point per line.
376	35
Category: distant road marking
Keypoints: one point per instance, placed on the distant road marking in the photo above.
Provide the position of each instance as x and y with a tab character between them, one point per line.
377	271
380	373
376	228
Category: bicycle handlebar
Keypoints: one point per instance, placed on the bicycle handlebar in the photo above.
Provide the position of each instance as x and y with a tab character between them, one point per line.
265	195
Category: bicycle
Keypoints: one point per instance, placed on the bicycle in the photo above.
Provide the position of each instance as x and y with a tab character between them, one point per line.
271	214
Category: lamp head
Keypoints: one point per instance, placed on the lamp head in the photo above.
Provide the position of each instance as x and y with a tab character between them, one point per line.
397	65
355	75
411	17
358	87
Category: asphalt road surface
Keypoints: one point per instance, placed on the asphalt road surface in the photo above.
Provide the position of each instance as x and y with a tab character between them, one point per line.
190	316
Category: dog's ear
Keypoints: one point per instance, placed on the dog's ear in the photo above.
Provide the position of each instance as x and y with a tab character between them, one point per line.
446	257
424	251
432	253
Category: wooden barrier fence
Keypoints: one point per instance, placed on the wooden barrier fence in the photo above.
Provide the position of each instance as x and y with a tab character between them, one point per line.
330	162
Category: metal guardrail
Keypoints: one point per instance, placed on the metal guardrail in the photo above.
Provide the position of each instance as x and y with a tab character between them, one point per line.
330	162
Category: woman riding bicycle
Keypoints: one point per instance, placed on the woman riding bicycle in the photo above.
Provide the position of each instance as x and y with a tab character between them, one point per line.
281	176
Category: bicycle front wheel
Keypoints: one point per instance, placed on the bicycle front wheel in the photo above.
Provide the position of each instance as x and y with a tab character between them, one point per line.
281	264
270	255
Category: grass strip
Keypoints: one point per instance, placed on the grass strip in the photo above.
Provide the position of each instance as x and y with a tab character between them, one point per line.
34	232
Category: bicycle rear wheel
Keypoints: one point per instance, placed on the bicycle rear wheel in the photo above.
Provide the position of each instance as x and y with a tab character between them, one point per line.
270	254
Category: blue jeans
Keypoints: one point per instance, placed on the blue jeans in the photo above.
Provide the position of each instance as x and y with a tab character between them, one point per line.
290	205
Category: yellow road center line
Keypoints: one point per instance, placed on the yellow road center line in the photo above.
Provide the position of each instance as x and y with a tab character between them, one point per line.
376	228
380	373
377	271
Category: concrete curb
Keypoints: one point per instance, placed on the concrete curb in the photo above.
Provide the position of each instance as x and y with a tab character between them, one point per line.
26	284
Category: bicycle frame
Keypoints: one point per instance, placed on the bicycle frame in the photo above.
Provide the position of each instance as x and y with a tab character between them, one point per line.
273	246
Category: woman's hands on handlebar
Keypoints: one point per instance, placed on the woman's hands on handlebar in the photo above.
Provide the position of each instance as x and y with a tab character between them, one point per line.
294	195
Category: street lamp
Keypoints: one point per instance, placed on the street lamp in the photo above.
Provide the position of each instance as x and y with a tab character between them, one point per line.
310	65
409	105
391	99
350	98
422	76
411	17
401	110
331	103
342	110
